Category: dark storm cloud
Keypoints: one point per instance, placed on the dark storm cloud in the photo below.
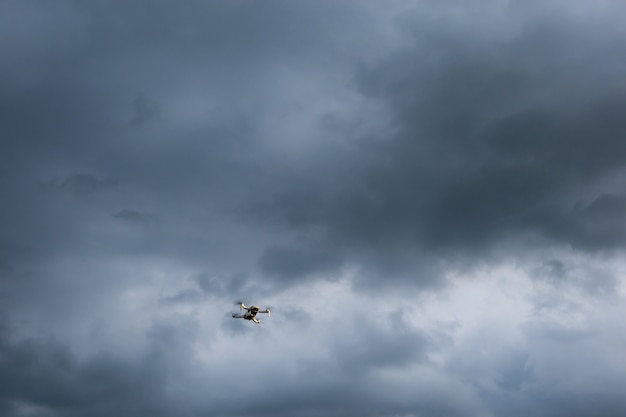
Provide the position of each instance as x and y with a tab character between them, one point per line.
5	267
160	161
144	110
592	226
297	261
496	139
46	376
113	100
135	216
86	184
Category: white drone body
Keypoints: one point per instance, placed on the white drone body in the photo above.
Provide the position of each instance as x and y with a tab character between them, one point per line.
250	313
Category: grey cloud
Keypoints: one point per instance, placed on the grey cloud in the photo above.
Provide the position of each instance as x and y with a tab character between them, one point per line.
564	281
289	147
209	284
135	216
82	184
186	296
480	156
5	267
592	226
47	376
371	347
297	261
144	110
235	286
300	316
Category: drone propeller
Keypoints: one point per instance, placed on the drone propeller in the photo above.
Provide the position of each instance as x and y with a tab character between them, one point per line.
241	307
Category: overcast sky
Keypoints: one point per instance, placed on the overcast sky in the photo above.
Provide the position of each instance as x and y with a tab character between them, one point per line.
430	195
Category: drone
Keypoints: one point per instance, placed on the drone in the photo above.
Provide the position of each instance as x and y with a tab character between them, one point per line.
250	313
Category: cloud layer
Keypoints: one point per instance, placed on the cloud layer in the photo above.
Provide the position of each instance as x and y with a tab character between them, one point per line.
429	196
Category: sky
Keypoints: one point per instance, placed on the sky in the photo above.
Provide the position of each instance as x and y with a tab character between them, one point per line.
430	196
